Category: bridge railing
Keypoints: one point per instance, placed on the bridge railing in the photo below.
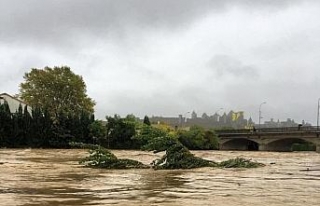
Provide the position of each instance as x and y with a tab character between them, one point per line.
269	130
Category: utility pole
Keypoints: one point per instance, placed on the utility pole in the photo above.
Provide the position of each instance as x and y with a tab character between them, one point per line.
260	112
218	113
318	115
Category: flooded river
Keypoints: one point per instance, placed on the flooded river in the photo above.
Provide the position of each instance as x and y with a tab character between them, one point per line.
54	177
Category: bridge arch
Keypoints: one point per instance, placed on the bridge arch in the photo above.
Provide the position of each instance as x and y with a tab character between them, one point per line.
286	144
240	144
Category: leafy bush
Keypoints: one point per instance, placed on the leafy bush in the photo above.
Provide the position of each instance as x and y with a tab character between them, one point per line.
240	163
103	158
177	156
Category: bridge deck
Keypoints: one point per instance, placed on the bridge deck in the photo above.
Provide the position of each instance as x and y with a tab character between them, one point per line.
268	131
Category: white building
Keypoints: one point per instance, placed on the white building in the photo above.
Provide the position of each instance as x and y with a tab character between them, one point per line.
13	102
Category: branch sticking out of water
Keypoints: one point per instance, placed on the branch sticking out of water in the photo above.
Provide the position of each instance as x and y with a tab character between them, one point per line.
103	158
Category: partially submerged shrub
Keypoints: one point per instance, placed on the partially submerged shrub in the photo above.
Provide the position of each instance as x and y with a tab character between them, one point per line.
177	156
80	145
240	163
103	158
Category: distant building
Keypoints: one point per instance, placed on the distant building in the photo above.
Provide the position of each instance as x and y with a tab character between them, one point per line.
288	123
173	121
194	115
233	119
13	102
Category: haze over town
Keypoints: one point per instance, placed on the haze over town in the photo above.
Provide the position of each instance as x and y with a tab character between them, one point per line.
166	58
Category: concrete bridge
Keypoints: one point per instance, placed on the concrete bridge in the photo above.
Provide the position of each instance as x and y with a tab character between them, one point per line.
268	139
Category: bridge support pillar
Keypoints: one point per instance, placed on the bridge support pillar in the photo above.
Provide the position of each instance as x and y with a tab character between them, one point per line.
263	147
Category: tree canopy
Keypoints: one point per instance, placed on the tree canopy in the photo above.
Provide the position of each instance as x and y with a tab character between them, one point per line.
57	89
198	138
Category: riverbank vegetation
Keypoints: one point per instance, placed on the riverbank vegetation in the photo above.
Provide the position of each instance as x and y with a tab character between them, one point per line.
38	130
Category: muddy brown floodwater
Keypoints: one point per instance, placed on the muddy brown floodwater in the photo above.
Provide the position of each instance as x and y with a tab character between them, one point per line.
54	177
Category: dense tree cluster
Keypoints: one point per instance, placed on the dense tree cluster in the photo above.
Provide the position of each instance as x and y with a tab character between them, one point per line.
39	129
22	129
130	133
197	138
120	132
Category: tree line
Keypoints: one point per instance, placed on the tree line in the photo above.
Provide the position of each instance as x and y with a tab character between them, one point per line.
131	133
39	130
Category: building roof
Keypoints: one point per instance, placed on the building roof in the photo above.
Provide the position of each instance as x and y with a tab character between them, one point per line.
19	100
14	102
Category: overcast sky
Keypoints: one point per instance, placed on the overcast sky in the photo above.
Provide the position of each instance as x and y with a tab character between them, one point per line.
165	58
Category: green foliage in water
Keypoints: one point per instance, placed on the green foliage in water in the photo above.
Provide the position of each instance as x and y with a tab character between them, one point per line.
176	155
240	163
103	158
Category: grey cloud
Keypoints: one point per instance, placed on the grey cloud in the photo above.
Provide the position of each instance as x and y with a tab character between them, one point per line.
156	57
55	20
224	65
52	19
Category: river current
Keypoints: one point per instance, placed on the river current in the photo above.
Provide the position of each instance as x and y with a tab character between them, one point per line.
34	177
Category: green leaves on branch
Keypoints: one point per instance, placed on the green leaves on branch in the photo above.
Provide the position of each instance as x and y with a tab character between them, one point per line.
120	132
197	138
103	158
177	156
240	163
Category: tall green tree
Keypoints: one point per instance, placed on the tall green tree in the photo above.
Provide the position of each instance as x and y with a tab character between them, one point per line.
120	132
98	132
146	120
18	127
6	122
58	90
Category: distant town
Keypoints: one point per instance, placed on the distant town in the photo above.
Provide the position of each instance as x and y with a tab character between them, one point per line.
232	119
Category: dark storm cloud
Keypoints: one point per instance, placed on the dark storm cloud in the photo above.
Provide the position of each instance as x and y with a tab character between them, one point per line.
49	20
52	21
